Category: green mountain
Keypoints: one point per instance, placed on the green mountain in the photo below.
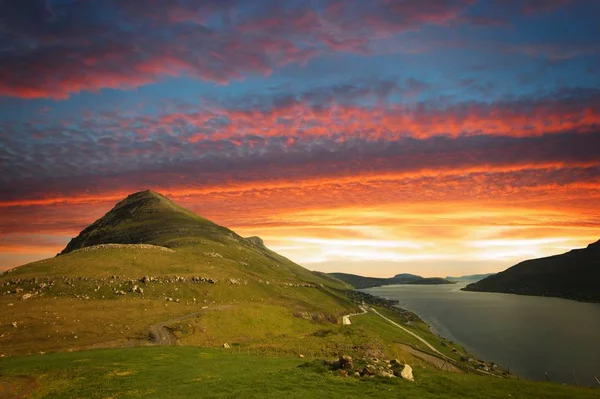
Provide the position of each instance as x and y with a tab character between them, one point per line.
360	282
153	261
572	275
147	217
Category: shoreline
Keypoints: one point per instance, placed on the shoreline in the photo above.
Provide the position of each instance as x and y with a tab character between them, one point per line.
502	344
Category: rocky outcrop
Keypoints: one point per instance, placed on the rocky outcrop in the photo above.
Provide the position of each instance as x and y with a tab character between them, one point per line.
256	241
123	246
370	367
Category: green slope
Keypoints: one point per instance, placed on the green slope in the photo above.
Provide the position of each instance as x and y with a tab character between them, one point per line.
191	265
208	373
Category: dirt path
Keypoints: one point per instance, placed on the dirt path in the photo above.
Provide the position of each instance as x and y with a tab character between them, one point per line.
346	319
18	387
161	335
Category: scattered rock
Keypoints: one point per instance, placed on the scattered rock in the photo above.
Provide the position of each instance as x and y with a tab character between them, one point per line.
301	356
406	373
384	373
137	288
369	370
345	362
343	373
14	324
226	346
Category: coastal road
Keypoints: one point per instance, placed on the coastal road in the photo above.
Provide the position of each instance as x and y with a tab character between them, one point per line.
346	319
413	334
449	359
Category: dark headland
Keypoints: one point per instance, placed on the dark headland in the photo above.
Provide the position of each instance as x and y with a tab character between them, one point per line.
572	275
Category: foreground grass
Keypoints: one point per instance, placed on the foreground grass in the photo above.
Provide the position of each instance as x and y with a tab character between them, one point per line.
184	372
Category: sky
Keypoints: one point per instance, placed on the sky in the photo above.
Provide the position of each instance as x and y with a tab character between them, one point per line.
445	137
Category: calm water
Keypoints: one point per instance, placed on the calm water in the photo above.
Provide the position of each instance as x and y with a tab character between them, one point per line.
531	335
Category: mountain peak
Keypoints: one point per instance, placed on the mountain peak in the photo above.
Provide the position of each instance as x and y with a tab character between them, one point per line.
147	217
144	195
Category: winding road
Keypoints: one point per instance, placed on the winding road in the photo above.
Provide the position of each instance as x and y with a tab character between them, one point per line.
413	334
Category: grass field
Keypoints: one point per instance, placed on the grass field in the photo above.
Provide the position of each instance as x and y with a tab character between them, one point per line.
185	372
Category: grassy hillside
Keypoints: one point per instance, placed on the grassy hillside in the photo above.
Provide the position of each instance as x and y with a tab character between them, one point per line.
572	275
110	292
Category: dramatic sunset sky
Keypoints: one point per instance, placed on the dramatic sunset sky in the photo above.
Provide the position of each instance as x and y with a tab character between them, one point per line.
438	137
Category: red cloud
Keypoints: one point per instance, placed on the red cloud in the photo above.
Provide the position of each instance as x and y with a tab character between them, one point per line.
391	121
174	38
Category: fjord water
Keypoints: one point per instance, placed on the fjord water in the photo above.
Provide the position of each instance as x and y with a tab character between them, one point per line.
530	335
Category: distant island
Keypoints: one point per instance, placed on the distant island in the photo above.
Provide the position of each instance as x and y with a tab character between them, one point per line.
572	275
360	282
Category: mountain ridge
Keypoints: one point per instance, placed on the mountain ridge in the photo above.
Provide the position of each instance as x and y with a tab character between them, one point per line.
360	282
572	275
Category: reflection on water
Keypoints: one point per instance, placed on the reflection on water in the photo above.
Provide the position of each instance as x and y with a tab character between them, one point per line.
530	335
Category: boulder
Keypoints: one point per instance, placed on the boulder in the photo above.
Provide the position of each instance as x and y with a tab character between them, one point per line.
301	356
345	362
14	324
226	346
406	373
385	374
26	297
343	373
